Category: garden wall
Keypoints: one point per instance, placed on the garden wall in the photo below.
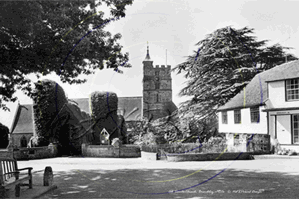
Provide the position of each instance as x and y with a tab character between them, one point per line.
35	152
230	144
4	153
209	157
109	151
258	143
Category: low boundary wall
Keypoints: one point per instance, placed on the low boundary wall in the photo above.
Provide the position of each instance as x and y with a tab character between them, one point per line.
209	157
109	151
35	152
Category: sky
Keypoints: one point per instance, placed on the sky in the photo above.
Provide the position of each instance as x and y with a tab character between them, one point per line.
172	28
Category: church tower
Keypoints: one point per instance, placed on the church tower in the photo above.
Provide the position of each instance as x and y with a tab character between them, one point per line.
157	89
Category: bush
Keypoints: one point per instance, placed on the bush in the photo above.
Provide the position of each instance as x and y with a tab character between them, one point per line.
103	103
48	99
4	131
104	106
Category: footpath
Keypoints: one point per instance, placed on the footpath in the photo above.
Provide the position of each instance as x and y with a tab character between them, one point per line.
37	190
267	176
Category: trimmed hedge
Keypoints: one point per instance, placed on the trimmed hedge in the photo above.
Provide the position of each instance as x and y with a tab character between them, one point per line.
48	99
103	103
104	106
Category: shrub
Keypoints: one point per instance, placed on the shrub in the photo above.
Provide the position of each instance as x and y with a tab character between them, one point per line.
4	131
104	106
103	103
48	99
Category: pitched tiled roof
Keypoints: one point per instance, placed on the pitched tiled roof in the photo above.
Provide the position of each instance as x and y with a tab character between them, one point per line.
170	106
83	104
288	70
130	107
256	91
23	119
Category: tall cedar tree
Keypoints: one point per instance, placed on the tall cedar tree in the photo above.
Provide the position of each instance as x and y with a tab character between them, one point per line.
41	37
225	62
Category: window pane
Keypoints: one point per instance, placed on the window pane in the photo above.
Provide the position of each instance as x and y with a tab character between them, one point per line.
237	116
224	117
254	114
292	89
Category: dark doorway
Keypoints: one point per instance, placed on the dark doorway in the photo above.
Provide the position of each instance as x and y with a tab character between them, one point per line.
23	142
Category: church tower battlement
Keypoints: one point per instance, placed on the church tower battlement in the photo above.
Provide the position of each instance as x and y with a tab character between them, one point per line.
157	88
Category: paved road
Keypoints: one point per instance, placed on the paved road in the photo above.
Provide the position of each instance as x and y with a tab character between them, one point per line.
135	178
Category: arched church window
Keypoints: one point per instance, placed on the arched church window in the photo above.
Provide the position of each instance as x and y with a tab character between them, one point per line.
157	85
23	142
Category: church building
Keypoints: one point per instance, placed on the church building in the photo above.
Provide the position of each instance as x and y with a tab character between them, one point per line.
157	90
155	103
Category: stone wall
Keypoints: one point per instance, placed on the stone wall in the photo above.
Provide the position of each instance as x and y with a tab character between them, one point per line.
124	151
258	143
209	157
35	152
157	89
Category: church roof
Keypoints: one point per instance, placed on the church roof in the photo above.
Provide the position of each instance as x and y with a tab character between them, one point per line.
23	120
83	104
170	106
256	92
129	107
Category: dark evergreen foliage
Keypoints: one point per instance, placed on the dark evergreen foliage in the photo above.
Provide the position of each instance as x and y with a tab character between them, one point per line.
4	131
224	63
48	99
41	37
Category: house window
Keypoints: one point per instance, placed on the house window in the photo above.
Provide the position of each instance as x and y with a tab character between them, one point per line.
292	89
156	73
237	116
224	117
254	113
295	121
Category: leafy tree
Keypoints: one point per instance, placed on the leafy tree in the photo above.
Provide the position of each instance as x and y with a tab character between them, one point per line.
4	131
65	37
225	62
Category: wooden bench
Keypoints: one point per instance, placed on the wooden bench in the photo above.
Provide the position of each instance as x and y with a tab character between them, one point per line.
11	176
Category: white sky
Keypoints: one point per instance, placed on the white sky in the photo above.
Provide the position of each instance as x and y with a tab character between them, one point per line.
177	25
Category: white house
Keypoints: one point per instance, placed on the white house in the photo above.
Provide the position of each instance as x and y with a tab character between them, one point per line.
269	104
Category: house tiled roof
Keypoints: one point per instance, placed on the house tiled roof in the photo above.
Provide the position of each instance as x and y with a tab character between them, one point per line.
255	92
288	70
